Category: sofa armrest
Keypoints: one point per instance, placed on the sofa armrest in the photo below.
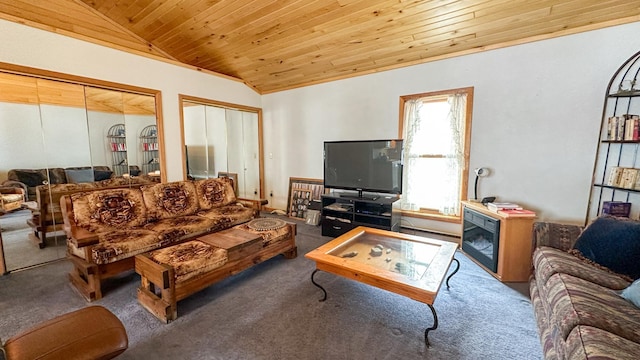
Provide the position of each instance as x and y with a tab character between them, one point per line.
559	236
255	204
81	237
78	236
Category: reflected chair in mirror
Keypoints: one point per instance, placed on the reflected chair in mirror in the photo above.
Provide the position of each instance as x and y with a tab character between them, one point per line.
11	198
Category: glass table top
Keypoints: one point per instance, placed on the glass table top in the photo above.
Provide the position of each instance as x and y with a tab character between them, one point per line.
402	256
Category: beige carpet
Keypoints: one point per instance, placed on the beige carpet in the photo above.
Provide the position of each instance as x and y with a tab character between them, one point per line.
21	245
271	311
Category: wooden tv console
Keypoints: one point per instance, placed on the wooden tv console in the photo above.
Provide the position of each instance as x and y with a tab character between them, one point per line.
342	213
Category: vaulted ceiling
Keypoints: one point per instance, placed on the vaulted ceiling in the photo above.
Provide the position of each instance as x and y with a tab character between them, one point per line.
274	45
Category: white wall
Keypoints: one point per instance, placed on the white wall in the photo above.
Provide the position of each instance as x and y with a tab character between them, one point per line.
536	118
23	45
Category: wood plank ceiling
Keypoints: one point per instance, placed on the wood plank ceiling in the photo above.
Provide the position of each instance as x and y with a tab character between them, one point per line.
274	45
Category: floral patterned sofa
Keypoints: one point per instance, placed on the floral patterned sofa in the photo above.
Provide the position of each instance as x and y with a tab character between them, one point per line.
46	216
577	302
106	229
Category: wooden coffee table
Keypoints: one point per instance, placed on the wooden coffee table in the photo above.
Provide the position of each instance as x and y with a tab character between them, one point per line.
404	264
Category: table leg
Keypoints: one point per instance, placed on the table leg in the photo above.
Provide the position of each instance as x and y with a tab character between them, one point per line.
316	284
435	325
454	271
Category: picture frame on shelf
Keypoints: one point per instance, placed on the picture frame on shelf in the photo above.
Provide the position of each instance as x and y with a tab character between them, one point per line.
303	192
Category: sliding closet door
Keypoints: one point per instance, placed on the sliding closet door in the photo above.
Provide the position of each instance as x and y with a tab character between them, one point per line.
143	137
111	140
223	140
250	183
54	133
242	150
22	148
199	154
66	145
216	131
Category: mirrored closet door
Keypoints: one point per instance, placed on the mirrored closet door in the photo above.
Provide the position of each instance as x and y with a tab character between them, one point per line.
222	139
59	137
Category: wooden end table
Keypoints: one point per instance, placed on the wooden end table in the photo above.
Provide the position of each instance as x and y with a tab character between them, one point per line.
404	264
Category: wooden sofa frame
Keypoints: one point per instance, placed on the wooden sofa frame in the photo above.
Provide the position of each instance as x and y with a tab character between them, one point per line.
159	292
86	277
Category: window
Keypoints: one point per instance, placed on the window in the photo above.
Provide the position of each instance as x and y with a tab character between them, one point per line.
436	129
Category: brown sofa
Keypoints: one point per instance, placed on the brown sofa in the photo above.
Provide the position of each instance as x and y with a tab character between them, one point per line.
577	303
106	229
46	216
29	179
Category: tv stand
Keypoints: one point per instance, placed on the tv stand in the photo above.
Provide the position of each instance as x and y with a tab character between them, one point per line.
342	213
360	196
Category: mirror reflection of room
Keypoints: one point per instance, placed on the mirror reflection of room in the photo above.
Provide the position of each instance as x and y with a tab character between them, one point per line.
54	140
223	141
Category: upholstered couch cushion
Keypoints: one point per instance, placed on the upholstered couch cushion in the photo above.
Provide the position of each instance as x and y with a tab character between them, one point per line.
190	259
29	177
586	342
168	200
229	215
79	176
549	261
575	301
56	176
614	243
87	174
175	229
121	244
99	175
12	197
110	209
215	192
542	320
559	236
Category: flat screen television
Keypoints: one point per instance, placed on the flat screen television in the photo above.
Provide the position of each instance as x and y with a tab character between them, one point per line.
364	165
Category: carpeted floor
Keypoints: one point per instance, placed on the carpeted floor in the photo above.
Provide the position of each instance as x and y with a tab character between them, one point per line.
21	245
271	311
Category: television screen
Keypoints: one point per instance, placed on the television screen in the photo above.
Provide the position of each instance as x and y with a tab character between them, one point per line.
368	165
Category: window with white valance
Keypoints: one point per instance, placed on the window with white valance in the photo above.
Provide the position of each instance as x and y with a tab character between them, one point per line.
436	130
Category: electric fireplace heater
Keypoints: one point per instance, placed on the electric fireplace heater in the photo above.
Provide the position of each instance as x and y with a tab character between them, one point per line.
480	238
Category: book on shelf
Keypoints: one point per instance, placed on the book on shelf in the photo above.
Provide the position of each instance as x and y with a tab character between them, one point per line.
615	176
636	186
622	177
629	177
623	127
516	212
497	206
631	127
616	208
